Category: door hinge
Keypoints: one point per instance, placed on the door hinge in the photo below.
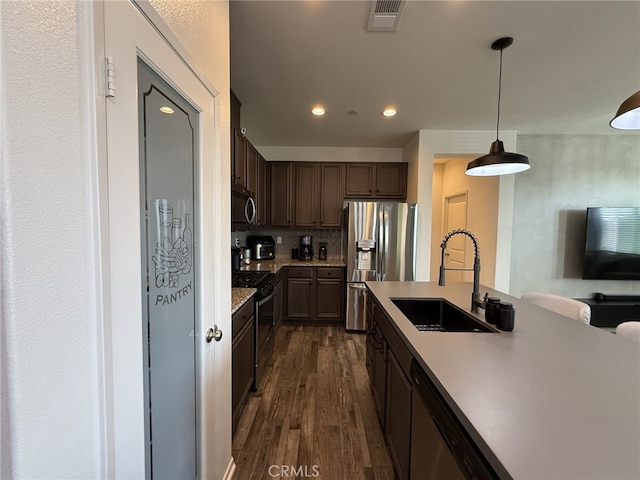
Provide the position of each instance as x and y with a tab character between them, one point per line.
109	77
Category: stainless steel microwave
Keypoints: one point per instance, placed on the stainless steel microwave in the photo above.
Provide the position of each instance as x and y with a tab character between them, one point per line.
243	208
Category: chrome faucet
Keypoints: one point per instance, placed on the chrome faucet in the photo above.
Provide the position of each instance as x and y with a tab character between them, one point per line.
475	295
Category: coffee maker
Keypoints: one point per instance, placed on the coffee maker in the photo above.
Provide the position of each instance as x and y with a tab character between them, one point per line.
306	247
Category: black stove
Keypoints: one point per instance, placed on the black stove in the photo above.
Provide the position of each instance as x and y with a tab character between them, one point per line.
262	281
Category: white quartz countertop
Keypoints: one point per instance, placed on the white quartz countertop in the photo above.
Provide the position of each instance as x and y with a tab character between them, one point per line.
554	399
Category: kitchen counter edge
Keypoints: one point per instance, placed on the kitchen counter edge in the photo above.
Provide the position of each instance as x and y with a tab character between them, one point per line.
526	397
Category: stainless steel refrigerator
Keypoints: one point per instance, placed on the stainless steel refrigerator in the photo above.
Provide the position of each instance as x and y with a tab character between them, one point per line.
378	243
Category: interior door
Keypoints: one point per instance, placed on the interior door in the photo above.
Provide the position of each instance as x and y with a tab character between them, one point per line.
158	418
456	251
168	136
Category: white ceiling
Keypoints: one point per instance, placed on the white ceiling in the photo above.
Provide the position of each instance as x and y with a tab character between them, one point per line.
570	66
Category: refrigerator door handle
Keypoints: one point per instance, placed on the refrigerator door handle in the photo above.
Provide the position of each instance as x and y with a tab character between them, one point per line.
382	250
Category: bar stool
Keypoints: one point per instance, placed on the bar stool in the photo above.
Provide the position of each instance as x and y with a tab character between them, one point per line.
629	329
568	307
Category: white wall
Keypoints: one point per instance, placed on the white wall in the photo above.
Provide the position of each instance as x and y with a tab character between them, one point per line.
51	391
51	384
568	174
331	154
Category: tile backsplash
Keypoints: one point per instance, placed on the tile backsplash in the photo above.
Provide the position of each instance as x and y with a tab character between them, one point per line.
291	238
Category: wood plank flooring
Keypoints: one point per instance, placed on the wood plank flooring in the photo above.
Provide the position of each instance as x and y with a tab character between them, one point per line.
314	415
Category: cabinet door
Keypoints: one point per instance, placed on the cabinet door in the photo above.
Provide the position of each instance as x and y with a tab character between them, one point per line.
331	195
391	180
398	416
306	199
379	380
280	204
329	299
239	158
359	181
330	293
242	364
252	168
300	298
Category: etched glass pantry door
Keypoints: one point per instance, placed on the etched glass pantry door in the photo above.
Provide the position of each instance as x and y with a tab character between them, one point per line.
168	160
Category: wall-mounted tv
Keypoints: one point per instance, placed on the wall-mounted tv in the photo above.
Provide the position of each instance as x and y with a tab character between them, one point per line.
612	245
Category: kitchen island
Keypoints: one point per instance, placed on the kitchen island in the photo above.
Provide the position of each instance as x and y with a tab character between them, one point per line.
553	399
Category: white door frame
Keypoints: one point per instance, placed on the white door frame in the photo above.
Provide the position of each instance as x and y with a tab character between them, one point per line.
142	33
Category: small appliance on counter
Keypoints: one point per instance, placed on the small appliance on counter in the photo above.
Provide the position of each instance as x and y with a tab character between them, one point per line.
246	256
262	247
236	254
322	251
306	248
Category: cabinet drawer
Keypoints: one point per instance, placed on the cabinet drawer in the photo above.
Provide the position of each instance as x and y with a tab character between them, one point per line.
241	317
300	272
329	272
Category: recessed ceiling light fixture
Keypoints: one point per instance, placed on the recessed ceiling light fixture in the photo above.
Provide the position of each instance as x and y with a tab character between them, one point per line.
166	109
389	112
318	110
497	161
628	115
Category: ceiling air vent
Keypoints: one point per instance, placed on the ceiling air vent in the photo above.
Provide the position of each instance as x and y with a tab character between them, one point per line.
384	15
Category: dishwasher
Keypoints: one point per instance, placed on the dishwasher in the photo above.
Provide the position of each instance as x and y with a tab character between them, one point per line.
440	447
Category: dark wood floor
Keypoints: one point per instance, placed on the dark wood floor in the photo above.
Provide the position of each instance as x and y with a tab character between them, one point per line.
314	413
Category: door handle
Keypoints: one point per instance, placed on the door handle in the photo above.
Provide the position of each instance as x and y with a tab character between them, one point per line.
213	334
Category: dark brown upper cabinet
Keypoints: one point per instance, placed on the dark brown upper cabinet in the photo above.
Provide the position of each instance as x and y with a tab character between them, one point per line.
318	195
280	183
376	180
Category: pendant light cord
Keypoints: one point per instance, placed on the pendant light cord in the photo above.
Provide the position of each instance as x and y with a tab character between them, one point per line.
499	94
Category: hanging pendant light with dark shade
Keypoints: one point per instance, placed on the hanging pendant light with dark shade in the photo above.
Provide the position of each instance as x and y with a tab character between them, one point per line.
497	161
628	115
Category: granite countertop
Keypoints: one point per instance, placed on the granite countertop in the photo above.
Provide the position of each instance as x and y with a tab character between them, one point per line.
239	296
276	264
554	398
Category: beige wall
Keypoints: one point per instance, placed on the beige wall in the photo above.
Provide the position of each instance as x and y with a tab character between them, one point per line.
568	174
482	215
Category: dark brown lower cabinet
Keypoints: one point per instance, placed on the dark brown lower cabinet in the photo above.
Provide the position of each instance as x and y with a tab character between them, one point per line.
329	293
398	416
300	298
390	386
242	358
314	295
379	379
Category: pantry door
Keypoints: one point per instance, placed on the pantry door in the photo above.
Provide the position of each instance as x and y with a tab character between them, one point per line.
160	127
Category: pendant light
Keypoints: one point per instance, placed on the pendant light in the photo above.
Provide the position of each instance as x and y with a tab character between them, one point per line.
628	116
497	161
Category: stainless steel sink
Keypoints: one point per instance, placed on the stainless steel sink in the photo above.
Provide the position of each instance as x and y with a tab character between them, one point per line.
438	315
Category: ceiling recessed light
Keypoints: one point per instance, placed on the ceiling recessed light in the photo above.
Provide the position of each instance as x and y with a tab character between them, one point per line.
389	112
318	110
166	109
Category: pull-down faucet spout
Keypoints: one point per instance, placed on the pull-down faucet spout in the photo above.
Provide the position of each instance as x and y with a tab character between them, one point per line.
475	295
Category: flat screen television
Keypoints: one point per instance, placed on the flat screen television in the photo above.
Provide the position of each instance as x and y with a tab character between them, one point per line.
612	244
